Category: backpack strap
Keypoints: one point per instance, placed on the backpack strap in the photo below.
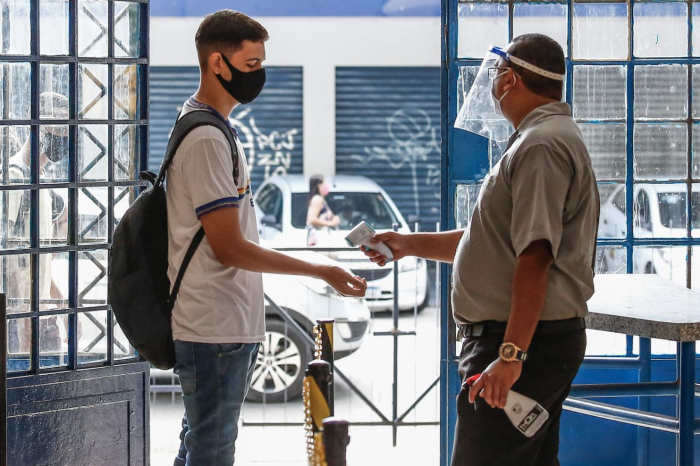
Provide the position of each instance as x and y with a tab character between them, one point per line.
183	127
187	123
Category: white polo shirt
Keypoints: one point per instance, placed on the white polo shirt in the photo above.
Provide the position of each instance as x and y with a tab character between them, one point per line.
215	304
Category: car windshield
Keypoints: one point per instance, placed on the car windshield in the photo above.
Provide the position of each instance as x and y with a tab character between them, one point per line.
672	210
352	208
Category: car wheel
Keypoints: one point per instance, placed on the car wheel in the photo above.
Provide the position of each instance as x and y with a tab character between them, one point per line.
281	365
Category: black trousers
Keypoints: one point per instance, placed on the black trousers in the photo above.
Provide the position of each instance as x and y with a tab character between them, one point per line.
485	436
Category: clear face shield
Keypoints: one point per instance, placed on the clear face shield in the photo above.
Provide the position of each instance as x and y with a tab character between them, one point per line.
479	114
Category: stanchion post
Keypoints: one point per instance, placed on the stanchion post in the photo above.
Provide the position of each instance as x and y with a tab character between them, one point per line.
326	329
335	440
317	386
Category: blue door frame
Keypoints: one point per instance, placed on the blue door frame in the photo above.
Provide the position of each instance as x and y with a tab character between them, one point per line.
76	392
466	158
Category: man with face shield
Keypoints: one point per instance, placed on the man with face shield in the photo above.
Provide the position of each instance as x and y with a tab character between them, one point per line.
53	147
218	320
523	268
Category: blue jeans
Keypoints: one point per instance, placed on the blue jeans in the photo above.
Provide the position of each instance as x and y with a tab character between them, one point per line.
214	380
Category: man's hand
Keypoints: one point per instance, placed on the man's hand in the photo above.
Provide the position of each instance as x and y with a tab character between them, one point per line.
397	242
495	382
344	283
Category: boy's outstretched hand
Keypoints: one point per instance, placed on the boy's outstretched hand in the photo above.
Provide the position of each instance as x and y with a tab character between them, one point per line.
345	283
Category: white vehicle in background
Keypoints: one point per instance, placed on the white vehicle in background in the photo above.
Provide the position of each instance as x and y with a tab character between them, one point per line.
281	206
659	212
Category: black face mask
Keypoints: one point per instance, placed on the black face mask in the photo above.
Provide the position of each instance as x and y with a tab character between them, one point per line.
54	146
244	87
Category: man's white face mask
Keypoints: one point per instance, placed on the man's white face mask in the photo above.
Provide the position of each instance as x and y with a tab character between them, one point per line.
481	111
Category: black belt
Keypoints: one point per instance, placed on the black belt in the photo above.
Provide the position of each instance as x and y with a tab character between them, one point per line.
544	327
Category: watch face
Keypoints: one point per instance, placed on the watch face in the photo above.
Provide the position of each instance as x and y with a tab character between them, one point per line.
508	351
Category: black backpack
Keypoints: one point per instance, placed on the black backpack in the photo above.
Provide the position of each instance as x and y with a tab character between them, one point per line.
138	284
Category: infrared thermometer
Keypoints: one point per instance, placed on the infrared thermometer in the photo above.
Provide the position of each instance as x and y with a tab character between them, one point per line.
362	235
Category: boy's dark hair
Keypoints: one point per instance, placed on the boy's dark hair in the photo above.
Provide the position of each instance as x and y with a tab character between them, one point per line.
225	31
543	52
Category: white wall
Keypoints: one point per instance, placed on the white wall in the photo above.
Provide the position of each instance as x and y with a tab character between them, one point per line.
319	45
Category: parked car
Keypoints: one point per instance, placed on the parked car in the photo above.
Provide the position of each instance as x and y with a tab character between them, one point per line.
281	204
279	371
660	212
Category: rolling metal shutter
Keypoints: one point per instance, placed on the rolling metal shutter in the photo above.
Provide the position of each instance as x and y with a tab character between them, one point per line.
270	128
388	129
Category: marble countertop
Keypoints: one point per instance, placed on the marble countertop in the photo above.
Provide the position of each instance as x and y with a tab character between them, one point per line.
644	305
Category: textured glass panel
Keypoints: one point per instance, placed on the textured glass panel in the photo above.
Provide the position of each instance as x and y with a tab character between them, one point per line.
53	16
667	262
695	212
661	92
660	151
54	79
696	150
92	215
14	24
126	29
695	271
126	154
55	267
14	165
544	18
19	345
607	145
93	91
92	277
92	343
15	206
611	259
15	100
53	340
125	91
17	282
660	210
123	198
696	30
660	30
467	75
92	28
600	92
54	147
613	221
122	348
53	216
600	31
480	26
466	197
696	91
93	164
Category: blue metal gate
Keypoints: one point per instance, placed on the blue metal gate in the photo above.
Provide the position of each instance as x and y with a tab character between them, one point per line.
387	128
270	129
73	116
631	82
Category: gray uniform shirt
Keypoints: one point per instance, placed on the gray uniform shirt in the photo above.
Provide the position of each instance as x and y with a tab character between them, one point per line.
543	188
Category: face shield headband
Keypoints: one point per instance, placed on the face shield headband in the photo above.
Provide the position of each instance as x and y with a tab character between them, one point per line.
478	113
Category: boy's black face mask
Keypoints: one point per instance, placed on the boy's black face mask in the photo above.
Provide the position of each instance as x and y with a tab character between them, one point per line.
244	87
